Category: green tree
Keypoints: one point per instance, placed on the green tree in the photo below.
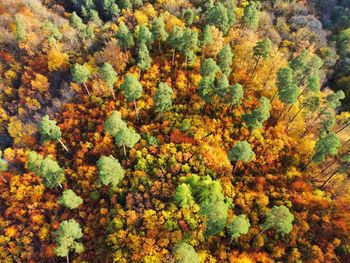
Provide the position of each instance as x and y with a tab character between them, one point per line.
327	144
163	98
144	37
188	16
255	118
94	17
114	123
234	95
3	166
50	131
206	89
224	59
70	200
127	138
206	38
80	74
110	171
239	226
158	31
185	253
132	89
333	100
183	196
66	238
189	44
21	31
250	18
143	58
124	37
47	169
209	68
299	65
51	30
218	16
241	151
175	41
109	76
221	86
76	22
262	49
279	218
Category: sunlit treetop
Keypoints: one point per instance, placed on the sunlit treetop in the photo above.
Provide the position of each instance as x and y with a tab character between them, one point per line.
110	170
114	123
70	200
185	253
239	226
279	218
241	151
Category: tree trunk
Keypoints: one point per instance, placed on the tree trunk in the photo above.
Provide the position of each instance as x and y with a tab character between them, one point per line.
279	116
273	97
3	178
63	145
139	74
306	166
285	115
301	93
137	113
295	115
311	126
268	77
67	258
329	178
87	90
256	65
236	165
113	93
342	128
124	150
262	231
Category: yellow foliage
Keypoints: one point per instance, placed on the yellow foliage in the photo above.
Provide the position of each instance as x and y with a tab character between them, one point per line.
10	231
57	60
141	17
171	21
40	83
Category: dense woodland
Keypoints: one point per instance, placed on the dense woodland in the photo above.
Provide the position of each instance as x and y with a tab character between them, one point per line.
180	131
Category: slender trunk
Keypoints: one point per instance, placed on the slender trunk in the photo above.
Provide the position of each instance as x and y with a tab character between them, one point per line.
137	113
3	178
203	54
256	65
236	165
301	93
262	231
329	178
60	185
273	97
186	61
329	165
285	115
342	128
295	115
56	47
87	90
124	150
250	135
311	126
344	143
268	77
279	116
306	166
113	93
139	74
230	109
63	145
302	80
67	258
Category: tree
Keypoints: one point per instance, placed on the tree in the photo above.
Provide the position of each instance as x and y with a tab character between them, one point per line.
80	74
326	145
124	37
47	169
66	238
50	131
76	22
110	171
21	32
132	89
255	118
114	123
224	59
279	218
241	151
206	89
51	31
3	166
333	100
175	41
144	37
206	38
127	138
209	68
163	98
250	18
298	64
239	226
109	76
185	253
183	196
143	58
234	95
70	200
218	17
262	49
158	30
189	44
188	16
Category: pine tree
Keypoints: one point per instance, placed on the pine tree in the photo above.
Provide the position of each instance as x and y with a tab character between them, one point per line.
163	98
185	253
183	196
127	138
76	22
114	123
109	76
143	58
189	44
279	218
262	49
224	59
144	37
175	41
218	17
70	200
206	38
80	74
234	95
124	37
132	89
209	68
239	226
250	18
188	16
158	31
50	131
241	151
110	171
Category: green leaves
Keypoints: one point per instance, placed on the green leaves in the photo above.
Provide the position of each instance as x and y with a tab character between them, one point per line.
255	118
326	145
288	92
158	29
220	17
241	151
183	196
110	170
250	18
127	137
80	74
66	236
224	59
262	49
234	95
49	130
114	123
209	68
21	32
163	98
3	164
47	169
108	74
185	253
124	36
132	88
239	226
69	199
279	218
76	22
143	58
144	37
